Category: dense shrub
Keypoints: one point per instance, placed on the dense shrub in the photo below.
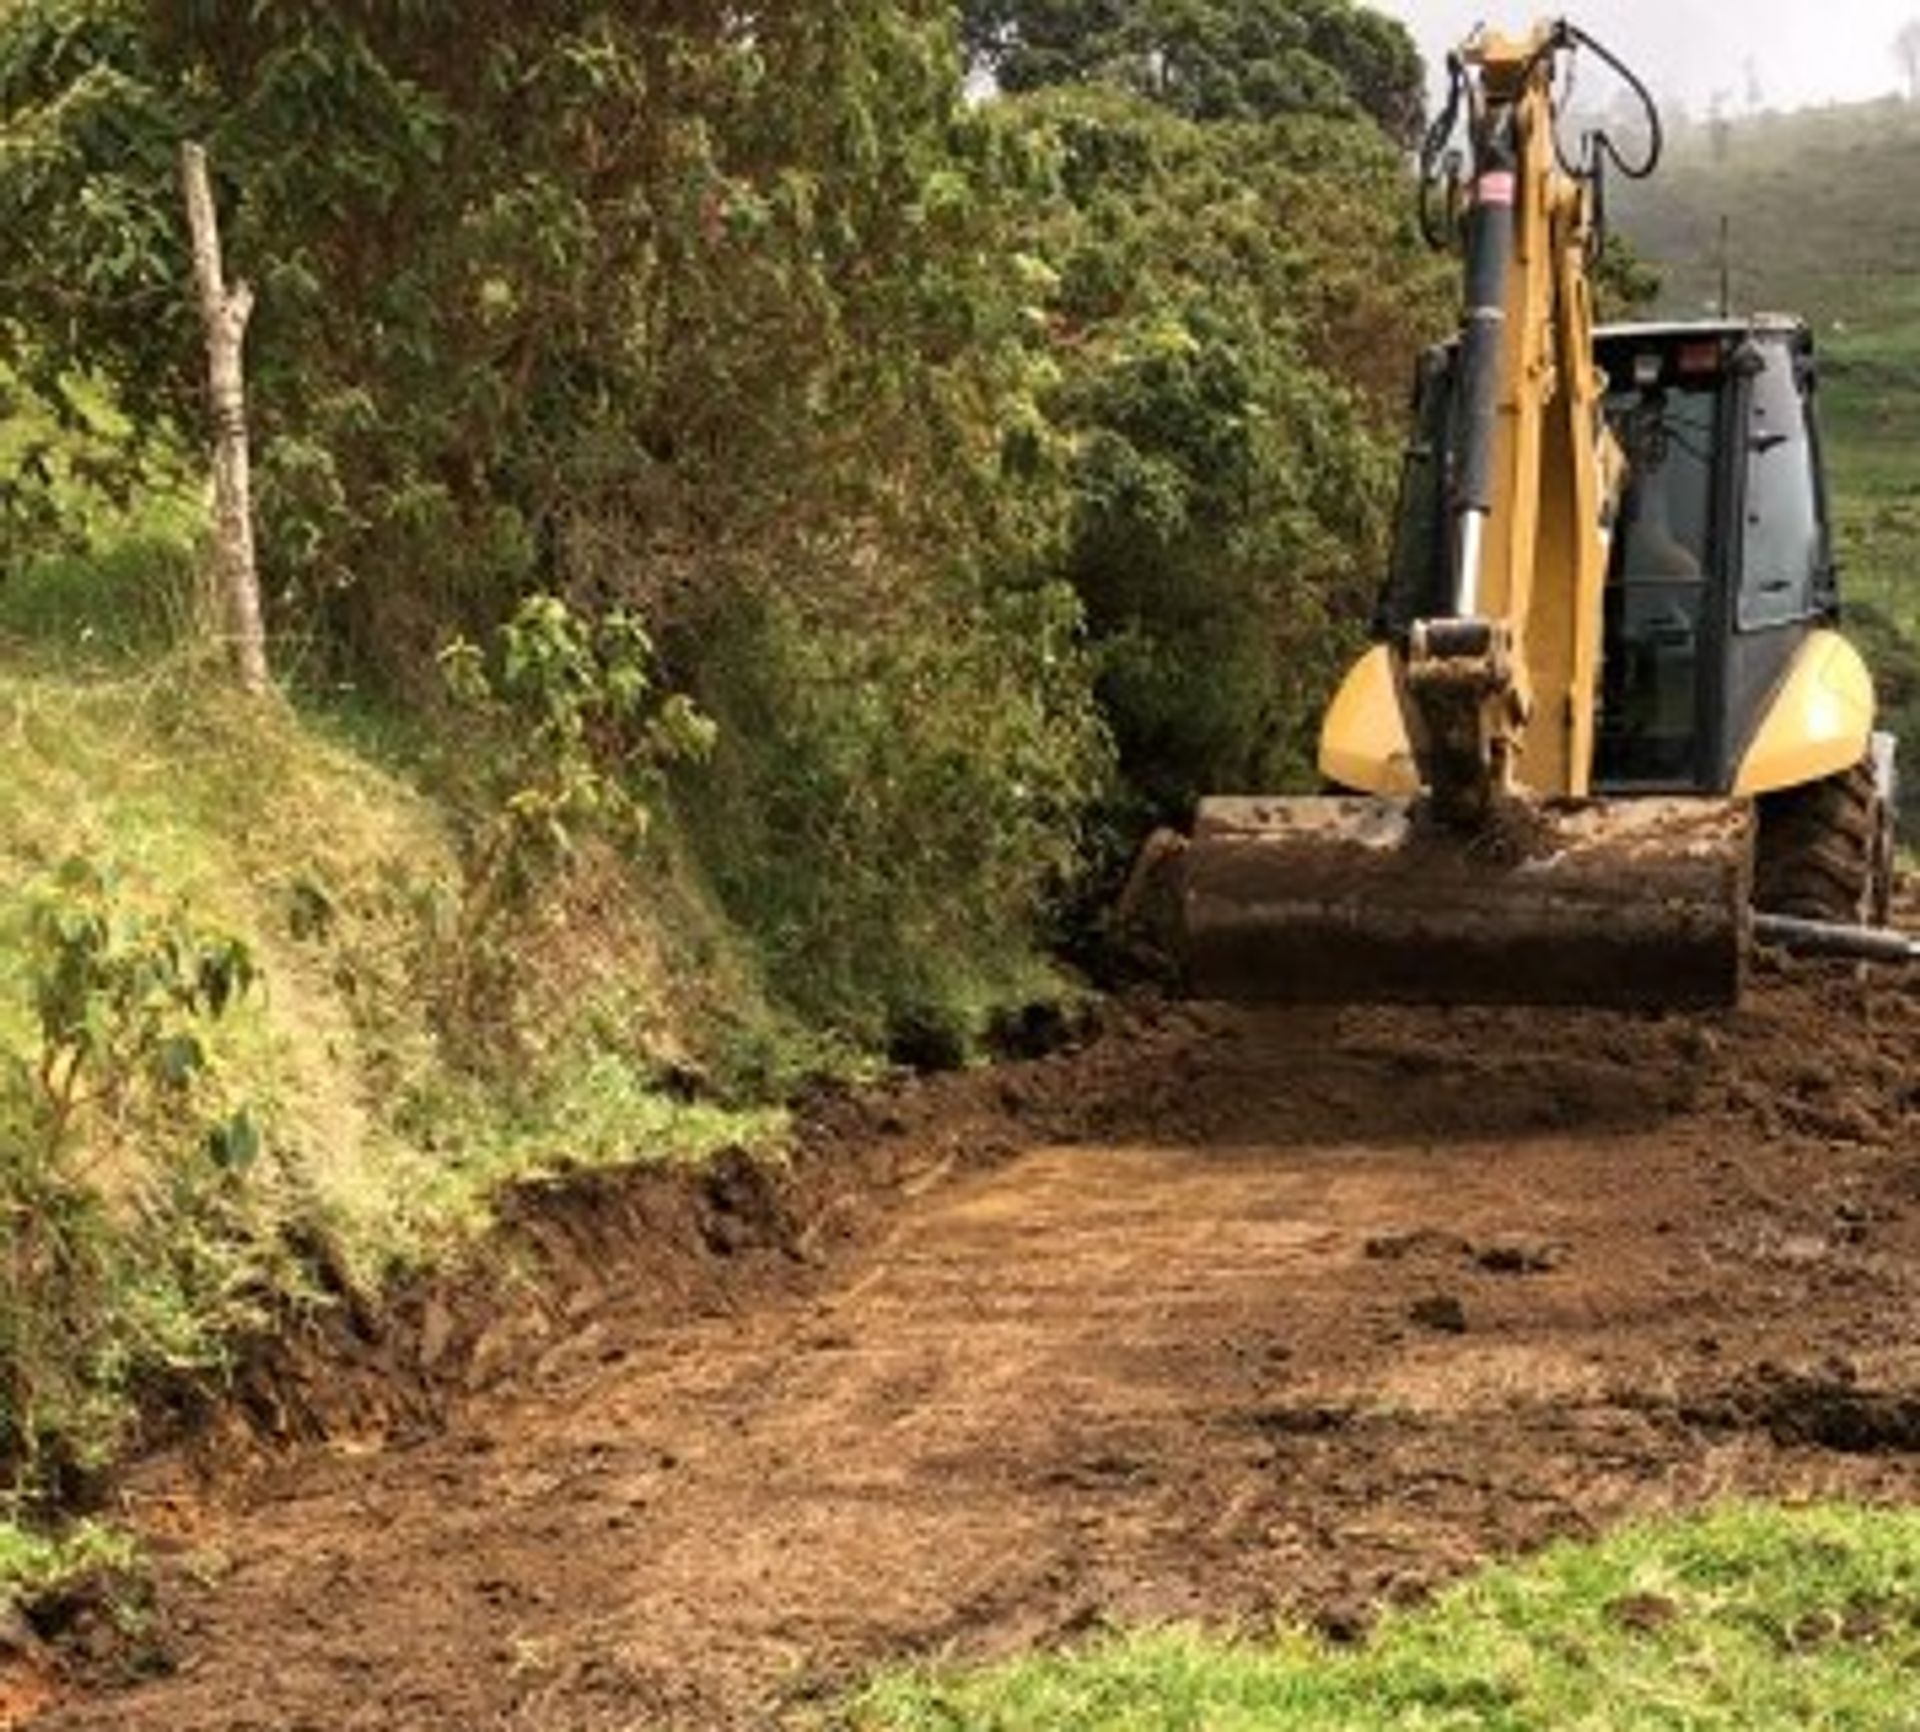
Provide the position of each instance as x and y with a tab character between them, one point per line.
944	446
1231	310
120	1249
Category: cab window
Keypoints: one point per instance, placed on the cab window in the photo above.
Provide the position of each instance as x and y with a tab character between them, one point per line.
1784	547
1658	589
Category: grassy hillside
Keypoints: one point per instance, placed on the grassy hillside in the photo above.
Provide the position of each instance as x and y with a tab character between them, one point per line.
1823	219
1820	208
180	1164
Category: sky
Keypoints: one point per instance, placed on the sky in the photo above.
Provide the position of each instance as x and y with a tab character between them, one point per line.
1803	52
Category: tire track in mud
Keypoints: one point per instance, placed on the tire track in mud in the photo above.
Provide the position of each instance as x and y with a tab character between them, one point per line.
1288	1315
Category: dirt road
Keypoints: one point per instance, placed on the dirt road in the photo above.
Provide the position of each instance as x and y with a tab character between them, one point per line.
1226	1317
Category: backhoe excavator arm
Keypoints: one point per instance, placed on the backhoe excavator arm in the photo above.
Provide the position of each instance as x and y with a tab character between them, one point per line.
1500	692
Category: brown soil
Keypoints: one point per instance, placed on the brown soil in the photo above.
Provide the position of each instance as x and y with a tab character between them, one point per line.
1223	1317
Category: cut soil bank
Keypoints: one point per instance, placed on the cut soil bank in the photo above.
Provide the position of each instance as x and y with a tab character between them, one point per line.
1224	1317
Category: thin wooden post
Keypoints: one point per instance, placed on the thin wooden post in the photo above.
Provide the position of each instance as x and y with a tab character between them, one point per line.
224	312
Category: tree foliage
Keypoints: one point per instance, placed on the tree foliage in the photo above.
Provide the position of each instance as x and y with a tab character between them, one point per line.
938	446
1212	59
1229	312
527	274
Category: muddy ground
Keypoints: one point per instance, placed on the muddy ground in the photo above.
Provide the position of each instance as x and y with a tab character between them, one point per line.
1226	1316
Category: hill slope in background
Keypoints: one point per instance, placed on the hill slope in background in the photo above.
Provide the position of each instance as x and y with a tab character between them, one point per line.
1822	213
1820	207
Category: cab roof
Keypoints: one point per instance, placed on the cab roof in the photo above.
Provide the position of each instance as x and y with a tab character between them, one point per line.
1662	331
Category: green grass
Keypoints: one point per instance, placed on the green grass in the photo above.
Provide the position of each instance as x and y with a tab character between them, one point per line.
1870	413
97	544
377	1141
1745	1620
102	607
243	813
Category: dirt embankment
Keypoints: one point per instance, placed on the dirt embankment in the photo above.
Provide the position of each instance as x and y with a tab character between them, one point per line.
1224	1316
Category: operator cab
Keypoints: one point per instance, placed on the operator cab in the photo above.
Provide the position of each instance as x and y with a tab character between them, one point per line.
1721	561
1721	557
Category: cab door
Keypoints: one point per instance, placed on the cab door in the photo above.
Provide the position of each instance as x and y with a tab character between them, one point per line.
1665	590
1786	584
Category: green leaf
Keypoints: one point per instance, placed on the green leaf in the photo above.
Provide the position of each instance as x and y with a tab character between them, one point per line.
179	1059
234	1146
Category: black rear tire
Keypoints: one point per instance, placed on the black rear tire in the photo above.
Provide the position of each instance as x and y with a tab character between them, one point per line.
1823	851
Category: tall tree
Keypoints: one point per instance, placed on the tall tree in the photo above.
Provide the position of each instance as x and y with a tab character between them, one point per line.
1210	59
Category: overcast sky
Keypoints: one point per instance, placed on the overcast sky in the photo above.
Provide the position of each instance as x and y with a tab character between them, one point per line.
1802	51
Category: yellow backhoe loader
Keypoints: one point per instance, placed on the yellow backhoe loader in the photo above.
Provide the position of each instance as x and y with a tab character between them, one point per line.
1609	730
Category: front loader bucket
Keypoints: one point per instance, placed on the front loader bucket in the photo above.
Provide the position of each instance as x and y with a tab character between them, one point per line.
1640	902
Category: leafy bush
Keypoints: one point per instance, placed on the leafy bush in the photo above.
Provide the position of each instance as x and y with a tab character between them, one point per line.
117	1163
551	295
943	446
577	737
1221	297
890	813
34	1566
627	307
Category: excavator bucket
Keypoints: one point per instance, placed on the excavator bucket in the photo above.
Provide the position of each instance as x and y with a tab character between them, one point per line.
1642	902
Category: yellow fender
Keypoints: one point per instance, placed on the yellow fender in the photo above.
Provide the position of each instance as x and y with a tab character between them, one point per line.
1818	723
1363	740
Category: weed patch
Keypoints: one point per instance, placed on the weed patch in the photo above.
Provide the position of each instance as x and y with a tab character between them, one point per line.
34	1566
119	1170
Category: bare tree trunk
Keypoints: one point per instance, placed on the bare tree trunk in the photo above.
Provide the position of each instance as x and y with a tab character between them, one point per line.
225	313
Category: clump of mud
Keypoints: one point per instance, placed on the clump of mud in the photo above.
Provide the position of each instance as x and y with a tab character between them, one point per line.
1814	1410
